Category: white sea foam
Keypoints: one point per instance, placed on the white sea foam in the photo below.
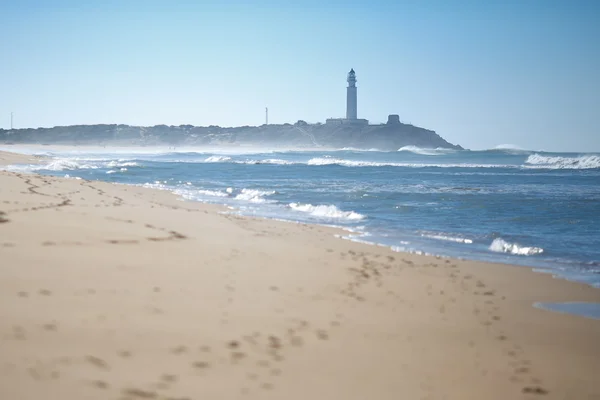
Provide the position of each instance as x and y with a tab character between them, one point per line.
423	151
274	161
508	147
254	196
121	163
226	159
62	164
448	238
358	150
501	246
215	159
402	249
74	163
206	192
317	161
581	162
326	211
339	161
192	194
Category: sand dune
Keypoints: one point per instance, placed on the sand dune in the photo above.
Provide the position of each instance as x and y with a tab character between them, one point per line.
120	292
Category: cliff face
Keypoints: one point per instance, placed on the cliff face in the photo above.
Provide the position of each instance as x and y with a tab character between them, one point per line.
300	134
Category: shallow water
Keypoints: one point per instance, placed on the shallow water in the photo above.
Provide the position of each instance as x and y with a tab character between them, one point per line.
587	310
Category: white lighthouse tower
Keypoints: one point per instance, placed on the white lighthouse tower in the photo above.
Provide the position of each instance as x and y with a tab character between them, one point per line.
351	104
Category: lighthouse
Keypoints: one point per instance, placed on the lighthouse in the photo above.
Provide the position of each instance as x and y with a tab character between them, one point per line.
351	106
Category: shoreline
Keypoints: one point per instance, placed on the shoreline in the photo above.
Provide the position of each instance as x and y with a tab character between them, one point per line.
359	236
350	234
115	290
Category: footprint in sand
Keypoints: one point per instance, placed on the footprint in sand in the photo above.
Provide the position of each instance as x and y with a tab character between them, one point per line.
200	364
50	326
100	384
125	354
535	390
179	350
323	335
168	378
97	362
139	393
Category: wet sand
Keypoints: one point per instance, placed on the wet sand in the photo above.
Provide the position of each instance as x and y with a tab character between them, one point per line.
119	292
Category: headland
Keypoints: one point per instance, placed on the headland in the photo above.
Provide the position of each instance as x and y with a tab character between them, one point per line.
350	132
390	136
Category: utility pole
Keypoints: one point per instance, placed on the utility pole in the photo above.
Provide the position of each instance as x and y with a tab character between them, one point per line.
266	115
11	120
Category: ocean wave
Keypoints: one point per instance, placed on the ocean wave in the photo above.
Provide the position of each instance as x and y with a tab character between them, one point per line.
121	163
190	194
226	159
254	196
326	211
71	164
346	163
358	150
215	159
319	161
274	161
556	162
214	193
426	151
508	147
447	238
511	149
501	246
402	249
63	164
328	160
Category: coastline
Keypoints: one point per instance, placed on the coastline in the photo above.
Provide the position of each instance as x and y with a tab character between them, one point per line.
115	291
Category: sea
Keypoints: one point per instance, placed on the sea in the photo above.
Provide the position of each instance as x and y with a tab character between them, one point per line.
506	205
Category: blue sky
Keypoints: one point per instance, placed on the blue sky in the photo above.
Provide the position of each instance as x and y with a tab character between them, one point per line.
479	73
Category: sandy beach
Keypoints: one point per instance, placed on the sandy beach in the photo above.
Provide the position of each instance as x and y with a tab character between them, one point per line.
121	292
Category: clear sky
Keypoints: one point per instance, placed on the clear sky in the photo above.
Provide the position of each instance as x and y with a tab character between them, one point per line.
479	73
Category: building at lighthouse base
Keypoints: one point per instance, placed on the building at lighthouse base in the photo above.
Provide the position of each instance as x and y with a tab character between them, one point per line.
346	121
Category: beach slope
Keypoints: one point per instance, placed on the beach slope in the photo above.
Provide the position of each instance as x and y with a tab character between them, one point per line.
121	292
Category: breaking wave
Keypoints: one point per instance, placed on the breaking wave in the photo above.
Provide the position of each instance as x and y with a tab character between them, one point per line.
254	196
121	163
71	164
226	159
274	161
358	150
214	193
501	246
511	149
326	211
214	159
582	162
448	238
424	151
352	163
62	164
